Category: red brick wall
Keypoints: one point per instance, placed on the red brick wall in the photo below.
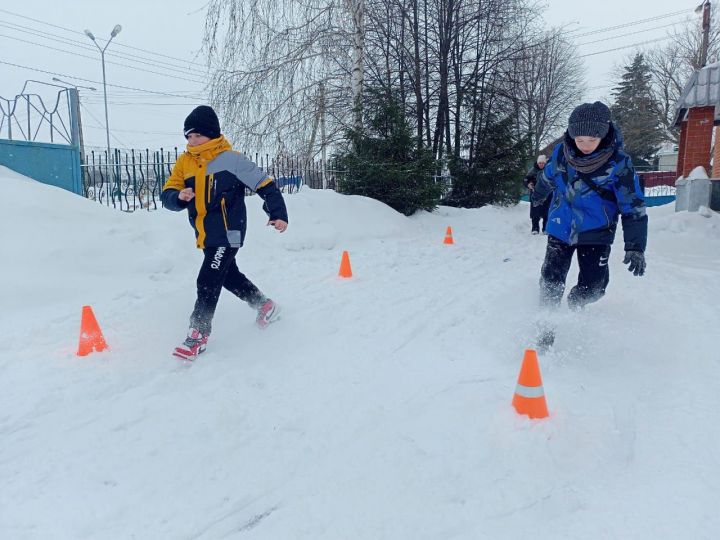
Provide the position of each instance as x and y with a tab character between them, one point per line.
695	146
716	154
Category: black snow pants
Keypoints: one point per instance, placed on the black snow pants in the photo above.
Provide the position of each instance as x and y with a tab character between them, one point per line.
592	280
219	270
540	212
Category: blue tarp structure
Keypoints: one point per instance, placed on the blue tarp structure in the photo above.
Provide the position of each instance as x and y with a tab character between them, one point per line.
294	181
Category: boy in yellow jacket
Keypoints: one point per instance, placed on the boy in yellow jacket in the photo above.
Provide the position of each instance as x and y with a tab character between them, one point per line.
209	180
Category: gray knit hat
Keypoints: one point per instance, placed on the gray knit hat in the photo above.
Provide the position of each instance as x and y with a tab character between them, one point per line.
589	120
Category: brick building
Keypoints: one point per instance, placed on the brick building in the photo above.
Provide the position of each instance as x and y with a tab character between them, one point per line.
697	114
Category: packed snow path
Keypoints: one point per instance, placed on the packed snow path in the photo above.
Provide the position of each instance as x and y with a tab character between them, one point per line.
378	407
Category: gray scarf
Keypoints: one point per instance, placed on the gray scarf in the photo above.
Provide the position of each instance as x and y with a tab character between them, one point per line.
590	163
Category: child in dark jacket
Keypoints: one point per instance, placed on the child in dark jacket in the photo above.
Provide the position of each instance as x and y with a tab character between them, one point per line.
209	180
537	212
592	182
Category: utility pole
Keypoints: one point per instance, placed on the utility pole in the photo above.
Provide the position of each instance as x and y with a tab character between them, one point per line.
705	6
115	32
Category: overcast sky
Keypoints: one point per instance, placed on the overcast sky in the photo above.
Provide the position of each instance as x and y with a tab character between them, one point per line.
140	119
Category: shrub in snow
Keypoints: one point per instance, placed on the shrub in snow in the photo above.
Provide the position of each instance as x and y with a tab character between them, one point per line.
383	161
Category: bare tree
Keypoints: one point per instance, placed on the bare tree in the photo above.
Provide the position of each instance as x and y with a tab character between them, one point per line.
670	72
292	72
281	68
443	55
688	41
485	85
549	83
356	8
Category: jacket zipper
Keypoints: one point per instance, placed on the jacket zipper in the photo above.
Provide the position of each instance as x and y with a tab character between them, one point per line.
607	218
224	212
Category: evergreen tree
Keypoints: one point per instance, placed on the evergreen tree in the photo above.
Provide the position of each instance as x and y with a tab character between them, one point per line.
637	113
382	160
494	176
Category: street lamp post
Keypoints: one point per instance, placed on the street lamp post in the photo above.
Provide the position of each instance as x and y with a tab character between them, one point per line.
115	32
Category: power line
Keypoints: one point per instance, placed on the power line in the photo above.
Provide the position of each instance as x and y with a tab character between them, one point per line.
80	33
610	38
152	93
82	45
165	65
632	23
120	103
624	47
92	81
131	94
176	134
191	94
121	143
94	58
99	126
141	96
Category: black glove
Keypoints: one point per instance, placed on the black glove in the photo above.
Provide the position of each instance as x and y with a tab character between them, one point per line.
636	259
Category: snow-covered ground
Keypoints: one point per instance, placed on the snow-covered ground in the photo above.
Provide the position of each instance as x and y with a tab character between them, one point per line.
377	408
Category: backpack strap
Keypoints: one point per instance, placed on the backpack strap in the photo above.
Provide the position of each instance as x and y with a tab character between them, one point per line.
606	194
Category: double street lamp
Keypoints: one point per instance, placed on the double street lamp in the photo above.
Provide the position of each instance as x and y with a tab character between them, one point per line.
115	32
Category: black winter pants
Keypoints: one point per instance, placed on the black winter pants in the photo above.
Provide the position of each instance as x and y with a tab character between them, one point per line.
540	212
219	270
592	279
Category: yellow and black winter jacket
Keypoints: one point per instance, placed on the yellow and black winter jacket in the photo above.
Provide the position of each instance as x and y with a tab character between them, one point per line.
219	176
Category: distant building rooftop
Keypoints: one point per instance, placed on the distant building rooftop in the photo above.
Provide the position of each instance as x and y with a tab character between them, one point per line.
702	90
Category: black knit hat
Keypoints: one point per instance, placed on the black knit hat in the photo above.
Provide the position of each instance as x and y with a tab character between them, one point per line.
589	120
204	121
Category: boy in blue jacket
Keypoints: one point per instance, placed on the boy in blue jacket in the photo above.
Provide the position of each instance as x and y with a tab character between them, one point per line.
209	181
592	183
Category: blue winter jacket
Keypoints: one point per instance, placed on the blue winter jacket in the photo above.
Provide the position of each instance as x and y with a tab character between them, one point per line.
585	206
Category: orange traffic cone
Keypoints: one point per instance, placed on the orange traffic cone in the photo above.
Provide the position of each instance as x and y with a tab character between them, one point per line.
529	396
91	338
345	270
448	236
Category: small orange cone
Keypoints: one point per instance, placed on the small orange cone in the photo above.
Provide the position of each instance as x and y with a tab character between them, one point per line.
345	270
529	395
448	236
91	338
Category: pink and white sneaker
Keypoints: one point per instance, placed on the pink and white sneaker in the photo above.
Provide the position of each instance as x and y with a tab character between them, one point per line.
268	313
194	344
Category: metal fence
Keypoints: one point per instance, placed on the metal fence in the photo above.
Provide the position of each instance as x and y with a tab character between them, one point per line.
133	180
28	117
130	181
649	179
